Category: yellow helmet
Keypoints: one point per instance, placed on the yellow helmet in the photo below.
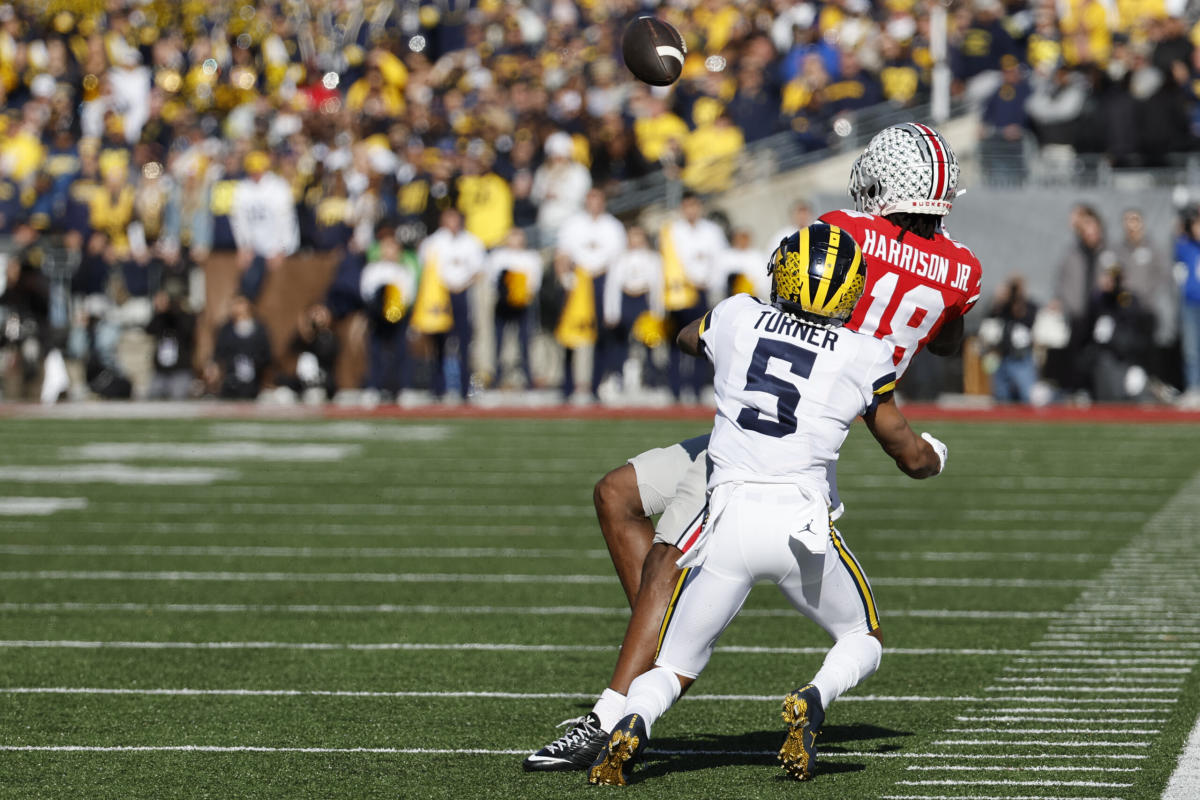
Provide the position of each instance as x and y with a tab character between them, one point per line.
818	274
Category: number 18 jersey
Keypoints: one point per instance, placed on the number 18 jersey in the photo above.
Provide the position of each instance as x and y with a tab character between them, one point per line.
914	285
786	392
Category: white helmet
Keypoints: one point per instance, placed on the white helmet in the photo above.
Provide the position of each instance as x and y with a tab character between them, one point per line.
905	168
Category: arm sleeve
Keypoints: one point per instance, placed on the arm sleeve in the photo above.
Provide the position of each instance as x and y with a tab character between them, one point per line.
712	321
612	292
882	379
974	292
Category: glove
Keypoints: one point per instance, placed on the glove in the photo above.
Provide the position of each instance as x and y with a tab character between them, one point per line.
940	448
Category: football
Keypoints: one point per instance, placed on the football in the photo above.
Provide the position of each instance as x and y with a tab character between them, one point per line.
653	51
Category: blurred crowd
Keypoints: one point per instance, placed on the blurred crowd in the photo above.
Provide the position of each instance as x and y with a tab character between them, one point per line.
1121	325
144	140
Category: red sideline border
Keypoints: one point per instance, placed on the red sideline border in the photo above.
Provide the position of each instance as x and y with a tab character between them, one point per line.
1111	414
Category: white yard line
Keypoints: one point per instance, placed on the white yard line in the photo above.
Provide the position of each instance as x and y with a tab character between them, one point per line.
621	611
1024	731
457	577
1101	715
164	692
433	577
1010	768
450	646
1011	782
1185	780
67	748
39	506
987	797
1037	743
446	552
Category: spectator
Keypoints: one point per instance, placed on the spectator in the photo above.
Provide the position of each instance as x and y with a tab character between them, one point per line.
173	327
263	219
856	88
517	272
801	216
1187	258
710	154
315	347
1005	122
743	268
1078	276
755	106
559	186
484	198
388	286
1055	105
451	261
1007	335
1146	274
1122	336
242	354
690	247
633	300
589	243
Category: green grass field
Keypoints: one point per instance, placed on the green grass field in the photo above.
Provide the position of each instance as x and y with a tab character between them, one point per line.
392	609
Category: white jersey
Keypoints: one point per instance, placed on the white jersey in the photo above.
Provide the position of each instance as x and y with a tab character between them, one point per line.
786	392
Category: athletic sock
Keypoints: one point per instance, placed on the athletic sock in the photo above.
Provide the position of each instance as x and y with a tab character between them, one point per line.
609	708
848	663
651	694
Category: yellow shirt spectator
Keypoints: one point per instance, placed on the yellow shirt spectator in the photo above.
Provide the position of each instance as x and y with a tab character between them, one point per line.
111	213
390	96
653	133
1088	17
711	152
487	206
1135	14
21	155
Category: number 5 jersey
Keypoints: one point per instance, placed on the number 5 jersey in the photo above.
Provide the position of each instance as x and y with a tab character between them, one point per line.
786	392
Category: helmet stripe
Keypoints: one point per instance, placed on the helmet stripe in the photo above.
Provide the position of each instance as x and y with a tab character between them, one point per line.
940	165
831	256
847	282
919	132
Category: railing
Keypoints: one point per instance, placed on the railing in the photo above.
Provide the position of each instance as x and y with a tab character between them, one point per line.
780	152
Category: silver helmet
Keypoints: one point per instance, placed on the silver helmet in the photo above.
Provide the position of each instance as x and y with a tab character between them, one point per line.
906	168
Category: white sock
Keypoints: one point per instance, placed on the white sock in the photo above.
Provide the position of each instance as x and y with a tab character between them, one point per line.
651	694
848	663
609	708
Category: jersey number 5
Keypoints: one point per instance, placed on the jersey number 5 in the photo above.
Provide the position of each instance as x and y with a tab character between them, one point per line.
800	362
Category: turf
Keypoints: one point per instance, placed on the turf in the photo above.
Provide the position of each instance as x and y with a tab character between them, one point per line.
364	598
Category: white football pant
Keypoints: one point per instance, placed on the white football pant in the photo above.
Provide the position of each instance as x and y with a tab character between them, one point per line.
758	532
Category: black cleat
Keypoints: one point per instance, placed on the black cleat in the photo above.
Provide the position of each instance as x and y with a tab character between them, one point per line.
615	763
804	716
575	749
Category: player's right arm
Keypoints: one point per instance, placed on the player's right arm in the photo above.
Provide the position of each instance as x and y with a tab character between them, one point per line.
916	457
689	338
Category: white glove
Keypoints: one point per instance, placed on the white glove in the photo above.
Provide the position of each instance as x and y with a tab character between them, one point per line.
940	448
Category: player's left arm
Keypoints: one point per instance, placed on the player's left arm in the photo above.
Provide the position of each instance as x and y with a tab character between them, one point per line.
949	339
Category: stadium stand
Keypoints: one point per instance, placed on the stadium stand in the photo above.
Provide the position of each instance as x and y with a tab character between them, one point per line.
171	155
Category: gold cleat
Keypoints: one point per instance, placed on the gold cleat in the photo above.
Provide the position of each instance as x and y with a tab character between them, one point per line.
615	763
803	714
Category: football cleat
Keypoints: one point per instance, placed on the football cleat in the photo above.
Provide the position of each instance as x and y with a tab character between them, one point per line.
615	763
575	749
804	716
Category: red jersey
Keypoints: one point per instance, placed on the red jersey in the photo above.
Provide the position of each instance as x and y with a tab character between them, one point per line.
913	286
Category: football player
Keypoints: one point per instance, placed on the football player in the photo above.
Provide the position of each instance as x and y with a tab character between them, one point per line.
919	286
789	380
